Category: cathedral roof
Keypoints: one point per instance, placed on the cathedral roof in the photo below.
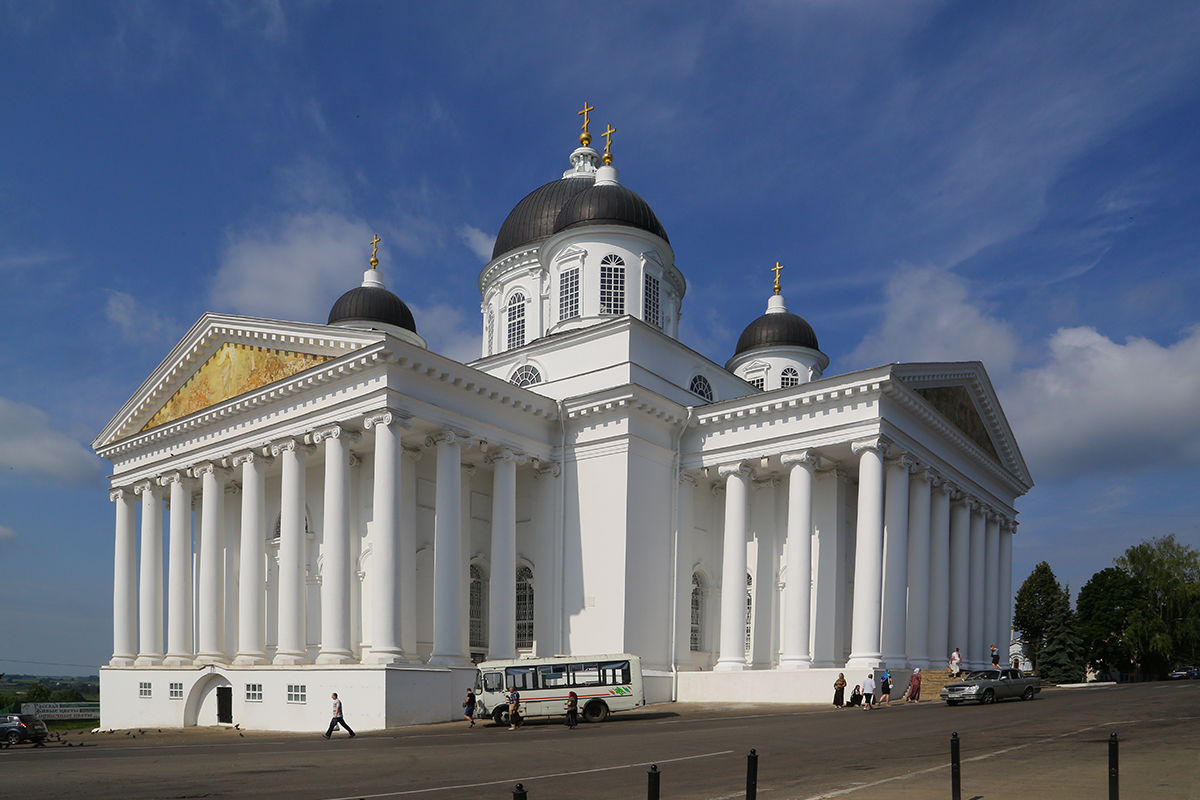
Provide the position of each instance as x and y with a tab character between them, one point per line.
775	329
532	220
609	203
372	303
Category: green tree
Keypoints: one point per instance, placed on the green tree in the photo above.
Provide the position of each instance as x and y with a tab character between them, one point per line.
1062	652
1104	610
1035	601
37	693
68	695
1165	629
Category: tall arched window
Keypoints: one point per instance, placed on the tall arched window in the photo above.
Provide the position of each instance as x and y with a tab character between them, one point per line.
524	607
789	378
612	284
702	387
479	593
516	321
749	610
697	612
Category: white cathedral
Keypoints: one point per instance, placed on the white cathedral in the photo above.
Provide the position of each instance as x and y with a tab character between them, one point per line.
337	508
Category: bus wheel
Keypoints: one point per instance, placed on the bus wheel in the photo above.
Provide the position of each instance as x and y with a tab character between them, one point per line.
500	715
595	711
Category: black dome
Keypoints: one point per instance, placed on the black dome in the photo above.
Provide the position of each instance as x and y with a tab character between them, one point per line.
372	304
533	218
779	329
609	204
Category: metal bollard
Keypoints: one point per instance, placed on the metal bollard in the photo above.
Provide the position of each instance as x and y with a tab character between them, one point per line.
519	793
1114	789
752	775
652	782
955	769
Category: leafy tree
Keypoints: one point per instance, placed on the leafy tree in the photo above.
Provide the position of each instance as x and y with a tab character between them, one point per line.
1035	601
37	693
1105	608
1166	628
68	695
1062	651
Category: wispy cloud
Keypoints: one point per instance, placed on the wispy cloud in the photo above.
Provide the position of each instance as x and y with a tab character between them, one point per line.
137	324
448	331
7	533
30	258
481	244
32	446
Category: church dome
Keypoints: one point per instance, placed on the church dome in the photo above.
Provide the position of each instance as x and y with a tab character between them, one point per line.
609	203
779	329
372	303
532	219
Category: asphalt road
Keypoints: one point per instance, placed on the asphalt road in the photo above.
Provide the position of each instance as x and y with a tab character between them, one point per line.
1053	747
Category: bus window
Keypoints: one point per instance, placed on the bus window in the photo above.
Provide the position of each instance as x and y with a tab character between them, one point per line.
552	676
493	682
615	673
478	683
520	678
585	674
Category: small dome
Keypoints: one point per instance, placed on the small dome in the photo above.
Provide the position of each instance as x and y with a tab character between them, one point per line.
777	329
609	204
532	220
372	304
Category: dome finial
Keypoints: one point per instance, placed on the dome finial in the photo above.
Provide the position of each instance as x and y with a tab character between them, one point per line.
777	269
375	251
585	138
608	144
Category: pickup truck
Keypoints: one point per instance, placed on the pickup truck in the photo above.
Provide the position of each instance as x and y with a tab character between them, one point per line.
989	685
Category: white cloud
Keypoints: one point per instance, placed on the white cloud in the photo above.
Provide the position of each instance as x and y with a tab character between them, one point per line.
927	317
31	446
448	332
137	324
7	533
479	242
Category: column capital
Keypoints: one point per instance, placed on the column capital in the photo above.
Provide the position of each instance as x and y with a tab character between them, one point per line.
468	467
932	475
334	431
904	461
772	481
141	487
685	477
387	416
505	454
551	468
233	488
177	476
355	459
800	458
249	457
118	493
449	436
210	468
1009	524
293	445
737	468
414	453
834	472
880	444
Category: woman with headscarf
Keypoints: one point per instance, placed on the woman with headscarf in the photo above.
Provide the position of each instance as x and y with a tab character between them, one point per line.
914	687
839	691
856	697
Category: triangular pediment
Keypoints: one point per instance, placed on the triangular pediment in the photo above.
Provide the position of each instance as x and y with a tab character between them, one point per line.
963	395
223	357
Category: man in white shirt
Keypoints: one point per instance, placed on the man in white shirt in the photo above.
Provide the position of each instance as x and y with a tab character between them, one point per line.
868	690
337	718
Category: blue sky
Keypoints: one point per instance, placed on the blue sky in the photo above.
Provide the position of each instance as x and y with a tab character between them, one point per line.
1011	182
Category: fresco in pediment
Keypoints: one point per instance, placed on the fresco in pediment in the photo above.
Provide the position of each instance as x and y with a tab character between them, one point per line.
233	370
955	404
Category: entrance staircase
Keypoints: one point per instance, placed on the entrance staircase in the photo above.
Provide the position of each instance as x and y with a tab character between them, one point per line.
932	681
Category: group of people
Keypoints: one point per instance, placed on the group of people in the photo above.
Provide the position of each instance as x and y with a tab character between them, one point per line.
864	695
514	709
956	661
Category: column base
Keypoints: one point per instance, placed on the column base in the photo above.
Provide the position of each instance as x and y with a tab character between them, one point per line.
799	663
251	660
335	658
896	662
122	661
212	658
868	661
148	660
729	666
449	661
291	659
385	657
178	660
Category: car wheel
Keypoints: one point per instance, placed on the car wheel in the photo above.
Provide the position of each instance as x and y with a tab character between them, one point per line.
988	698
13	737
595	711
1029	693
953	702
500	715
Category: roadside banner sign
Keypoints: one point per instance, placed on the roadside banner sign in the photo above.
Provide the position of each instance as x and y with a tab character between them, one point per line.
62	710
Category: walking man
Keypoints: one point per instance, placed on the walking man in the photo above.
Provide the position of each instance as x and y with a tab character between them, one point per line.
337	718
868	691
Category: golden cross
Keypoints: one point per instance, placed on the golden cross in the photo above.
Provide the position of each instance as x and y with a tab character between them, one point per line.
375	251
584	114
608	143
776	269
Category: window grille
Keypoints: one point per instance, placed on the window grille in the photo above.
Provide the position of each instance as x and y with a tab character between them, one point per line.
176	691
144	689
568	295
789	378
254	692
524	607
697	611
516	321
612	285
702	387
650	303
297	693
478	592
526	375
758	383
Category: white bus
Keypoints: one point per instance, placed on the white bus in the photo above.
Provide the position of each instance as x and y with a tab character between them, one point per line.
603	683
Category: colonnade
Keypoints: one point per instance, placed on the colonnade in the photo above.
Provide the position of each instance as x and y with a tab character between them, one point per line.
932	566
197	635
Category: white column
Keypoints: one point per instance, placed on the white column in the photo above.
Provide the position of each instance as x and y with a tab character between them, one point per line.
292	648
917	630
335	561
733	569
895	563
991	588
831	607
685	521
502	586
448	551
939	574
231	584
464	564
960	576
547	599
150	588
868	556
386	550
797	593
1006	591
976	654
125	608
251	649
179	573
406	557
212	565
